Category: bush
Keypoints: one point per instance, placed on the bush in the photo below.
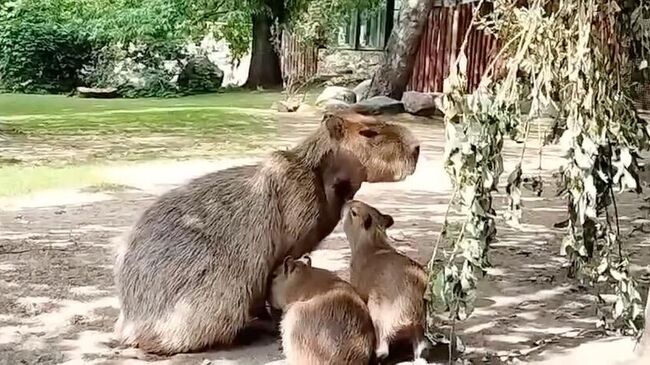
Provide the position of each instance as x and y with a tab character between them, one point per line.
136	46
40	55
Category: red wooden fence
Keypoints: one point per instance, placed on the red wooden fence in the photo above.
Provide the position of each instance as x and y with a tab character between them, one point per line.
440	44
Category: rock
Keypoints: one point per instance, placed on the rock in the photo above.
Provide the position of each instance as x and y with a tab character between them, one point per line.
306	108
286	106
200	74
98	93
336	93
417	103
379	105
438	100
362	89
334	105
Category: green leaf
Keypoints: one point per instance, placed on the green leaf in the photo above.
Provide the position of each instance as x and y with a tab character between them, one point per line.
615	274
603	266
619	308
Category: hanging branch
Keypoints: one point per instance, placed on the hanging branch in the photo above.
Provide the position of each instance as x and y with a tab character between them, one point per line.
562	55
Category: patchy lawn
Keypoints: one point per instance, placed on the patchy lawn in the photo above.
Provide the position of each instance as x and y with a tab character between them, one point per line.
39	105
58	130
23	180
53	141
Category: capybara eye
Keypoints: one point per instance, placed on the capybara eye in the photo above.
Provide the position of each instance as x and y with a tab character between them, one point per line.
368	133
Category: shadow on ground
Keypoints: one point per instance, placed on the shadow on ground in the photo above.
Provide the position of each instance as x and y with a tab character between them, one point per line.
58	303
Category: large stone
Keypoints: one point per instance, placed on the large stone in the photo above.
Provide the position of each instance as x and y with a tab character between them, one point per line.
334	105
306	108
200	74
336	93
98	93
379	105
286	106
362	89
417	103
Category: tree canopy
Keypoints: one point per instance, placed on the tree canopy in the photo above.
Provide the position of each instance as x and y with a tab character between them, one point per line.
45	44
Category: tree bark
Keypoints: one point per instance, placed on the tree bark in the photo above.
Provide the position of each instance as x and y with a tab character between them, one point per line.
264	70
393	75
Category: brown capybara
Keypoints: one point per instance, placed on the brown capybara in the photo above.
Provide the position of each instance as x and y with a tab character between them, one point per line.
195	268
391	283
324	320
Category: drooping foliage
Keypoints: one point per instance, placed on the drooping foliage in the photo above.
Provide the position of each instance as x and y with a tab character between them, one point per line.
578	58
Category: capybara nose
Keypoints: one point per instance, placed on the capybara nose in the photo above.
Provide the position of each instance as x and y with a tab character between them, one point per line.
416	153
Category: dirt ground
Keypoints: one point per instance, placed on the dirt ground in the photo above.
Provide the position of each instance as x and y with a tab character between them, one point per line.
58	305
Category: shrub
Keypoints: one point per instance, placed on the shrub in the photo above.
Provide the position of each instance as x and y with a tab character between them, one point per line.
39	54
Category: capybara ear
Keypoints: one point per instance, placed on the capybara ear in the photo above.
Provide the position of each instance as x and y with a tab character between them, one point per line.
288	265
335	125
388	220
306	259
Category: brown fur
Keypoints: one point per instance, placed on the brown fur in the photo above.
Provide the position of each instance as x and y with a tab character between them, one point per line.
390	282
325	322
195	269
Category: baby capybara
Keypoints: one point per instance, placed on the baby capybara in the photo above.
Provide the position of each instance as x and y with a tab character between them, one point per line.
391	283
324	320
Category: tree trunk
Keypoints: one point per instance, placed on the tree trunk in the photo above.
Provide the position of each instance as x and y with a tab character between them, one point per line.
264	70
393	75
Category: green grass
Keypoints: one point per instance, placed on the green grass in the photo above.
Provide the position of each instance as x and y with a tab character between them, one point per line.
213	114
23	180
48	105
54	141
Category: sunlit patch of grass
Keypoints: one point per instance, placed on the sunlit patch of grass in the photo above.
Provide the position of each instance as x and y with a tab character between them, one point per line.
170	123
87	131
22	180
19	104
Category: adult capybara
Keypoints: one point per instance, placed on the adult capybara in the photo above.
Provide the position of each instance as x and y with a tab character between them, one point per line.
195	267
324	320
391	283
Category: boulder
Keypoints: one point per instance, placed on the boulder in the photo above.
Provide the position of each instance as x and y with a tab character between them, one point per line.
417	103
306	108
438	99
336	93
379	105
334	105
361	91
286	106
200	74
98	93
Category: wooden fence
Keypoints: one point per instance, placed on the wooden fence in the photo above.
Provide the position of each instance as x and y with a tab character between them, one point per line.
440	44
443	35
299	62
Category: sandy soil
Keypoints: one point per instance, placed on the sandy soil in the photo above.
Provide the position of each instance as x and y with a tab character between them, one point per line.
58	304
